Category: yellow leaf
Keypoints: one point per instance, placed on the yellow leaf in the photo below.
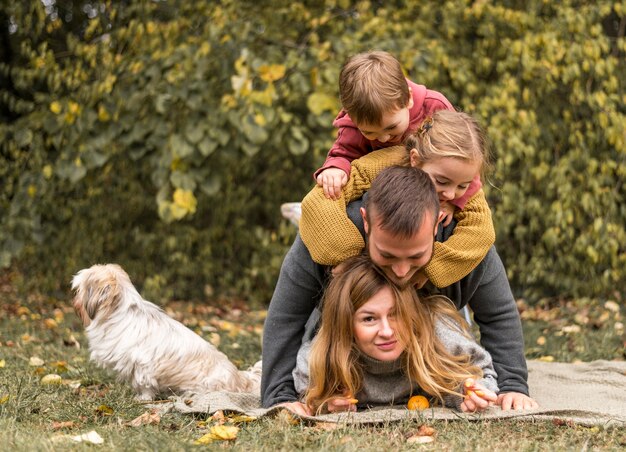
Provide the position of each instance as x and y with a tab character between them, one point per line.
51	379
50	323
321	102
47	171
185	200
2	363
55	107
32	191
219	433
35	361
271	72
103	114
104	410
4	399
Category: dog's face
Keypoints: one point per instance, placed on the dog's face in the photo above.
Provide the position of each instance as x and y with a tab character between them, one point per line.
97	291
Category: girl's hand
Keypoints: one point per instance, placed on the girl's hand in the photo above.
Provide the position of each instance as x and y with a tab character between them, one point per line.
447	210
341	403
477	397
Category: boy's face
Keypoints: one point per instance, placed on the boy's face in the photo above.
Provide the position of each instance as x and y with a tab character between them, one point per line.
392	127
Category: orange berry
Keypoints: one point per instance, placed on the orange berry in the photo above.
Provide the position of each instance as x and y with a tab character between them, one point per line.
418	402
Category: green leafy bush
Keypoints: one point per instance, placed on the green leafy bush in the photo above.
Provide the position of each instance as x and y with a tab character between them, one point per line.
165	135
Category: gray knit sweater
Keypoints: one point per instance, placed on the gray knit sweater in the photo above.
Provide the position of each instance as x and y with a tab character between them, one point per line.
384	382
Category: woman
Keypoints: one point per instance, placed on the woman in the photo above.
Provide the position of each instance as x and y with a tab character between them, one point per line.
379	345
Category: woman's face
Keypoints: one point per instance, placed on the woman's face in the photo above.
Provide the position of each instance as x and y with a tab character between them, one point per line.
451	176
375	327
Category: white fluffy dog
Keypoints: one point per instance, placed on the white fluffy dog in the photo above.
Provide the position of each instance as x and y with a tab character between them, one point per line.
148	349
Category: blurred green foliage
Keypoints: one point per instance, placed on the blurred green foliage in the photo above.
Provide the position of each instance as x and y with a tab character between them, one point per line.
165	135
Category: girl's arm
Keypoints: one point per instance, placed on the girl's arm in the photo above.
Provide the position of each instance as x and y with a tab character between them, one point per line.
473	235
325	229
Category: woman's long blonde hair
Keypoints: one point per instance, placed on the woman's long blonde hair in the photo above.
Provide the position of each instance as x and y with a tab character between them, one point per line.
333	362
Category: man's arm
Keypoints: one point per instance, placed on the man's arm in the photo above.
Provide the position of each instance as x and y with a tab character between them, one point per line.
488	294
298	291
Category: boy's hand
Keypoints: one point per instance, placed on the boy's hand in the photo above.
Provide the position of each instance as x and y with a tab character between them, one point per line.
477	397
448	212
332	180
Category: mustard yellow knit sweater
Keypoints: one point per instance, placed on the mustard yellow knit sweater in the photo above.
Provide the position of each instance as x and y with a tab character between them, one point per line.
331	237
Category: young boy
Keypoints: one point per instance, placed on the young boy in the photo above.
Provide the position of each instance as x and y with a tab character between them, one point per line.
380	109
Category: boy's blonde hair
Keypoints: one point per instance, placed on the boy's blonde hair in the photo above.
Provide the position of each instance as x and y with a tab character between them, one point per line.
372	84
333	363
450	133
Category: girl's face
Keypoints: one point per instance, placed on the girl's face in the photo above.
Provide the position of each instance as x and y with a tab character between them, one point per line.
375	327
451	176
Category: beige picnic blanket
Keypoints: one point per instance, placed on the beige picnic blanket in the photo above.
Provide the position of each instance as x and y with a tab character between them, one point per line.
591	393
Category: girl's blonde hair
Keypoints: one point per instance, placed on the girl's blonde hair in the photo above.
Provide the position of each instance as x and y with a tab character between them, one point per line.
333	363
450	133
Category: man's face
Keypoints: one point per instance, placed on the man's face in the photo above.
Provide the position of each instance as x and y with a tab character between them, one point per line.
400	258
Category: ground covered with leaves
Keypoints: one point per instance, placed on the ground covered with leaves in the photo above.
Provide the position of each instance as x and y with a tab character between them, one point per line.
52	397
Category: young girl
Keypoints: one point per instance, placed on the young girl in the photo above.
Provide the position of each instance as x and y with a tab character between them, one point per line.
451	147
380	345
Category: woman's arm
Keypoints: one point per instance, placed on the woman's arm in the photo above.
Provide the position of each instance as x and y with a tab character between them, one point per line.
326	230
467	246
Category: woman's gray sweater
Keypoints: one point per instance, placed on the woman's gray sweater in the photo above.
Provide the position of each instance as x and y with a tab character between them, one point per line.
384	382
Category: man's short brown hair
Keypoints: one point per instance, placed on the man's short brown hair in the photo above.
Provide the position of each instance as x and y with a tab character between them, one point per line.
400	198
372	84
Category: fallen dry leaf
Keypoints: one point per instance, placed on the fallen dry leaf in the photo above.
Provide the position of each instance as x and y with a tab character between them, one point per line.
51	379
35	361
287	417
2	363
151	417
90	437
219	417
50	324
104	410
4	399
219	433
326	426
241	418
64	424
417	439
426	430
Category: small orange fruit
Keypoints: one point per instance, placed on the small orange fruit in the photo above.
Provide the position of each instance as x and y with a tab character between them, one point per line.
418	402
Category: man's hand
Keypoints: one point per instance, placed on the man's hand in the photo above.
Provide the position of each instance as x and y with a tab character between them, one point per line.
331	180
297	407
447	209
516	401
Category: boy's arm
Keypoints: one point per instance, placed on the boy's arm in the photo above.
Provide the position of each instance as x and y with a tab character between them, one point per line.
325	228
467	246
349	145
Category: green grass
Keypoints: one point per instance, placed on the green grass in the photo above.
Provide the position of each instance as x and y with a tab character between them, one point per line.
34	416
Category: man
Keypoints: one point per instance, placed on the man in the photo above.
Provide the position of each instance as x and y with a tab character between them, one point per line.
400	218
